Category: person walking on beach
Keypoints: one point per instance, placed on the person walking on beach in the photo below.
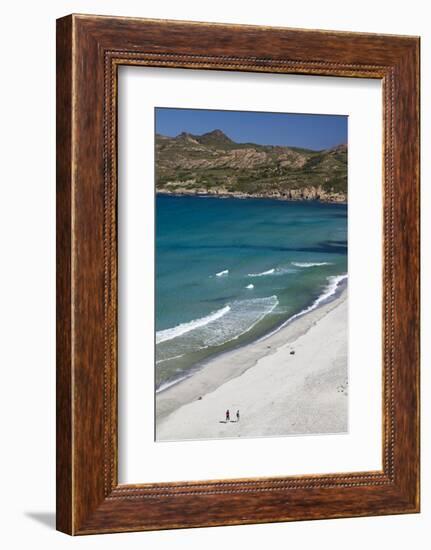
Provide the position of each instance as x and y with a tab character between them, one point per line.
227	415
237	415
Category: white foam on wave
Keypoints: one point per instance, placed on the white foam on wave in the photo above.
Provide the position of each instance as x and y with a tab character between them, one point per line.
329	290
249	286
273	271
310	264
234	320
222	273
238	318
183	328
245	315
269	272
242	316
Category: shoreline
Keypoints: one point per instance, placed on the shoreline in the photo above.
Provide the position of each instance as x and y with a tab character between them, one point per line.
176	405
326	297
243	196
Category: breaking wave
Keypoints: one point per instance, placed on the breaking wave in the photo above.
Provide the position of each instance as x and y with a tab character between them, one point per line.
218	328
269	272
329	290
310	264
183	328
273	271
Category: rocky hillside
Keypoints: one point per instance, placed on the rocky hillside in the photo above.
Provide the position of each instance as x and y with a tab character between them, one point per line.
214	164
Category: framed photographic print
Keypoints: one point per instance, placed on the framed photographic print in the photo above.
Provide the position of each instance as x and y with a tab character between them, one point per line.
236	280
237	274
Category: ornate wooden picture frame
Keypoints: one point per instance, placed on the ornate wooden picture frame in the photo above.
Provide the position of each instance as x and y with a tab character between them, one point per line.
89	51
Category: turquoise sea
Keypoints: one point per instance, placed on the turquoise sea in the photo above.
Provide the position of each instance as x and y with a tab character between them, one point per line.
229	271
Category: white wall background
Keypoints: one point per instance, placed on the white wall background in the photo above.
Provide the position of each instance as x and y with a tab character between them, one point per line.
27	297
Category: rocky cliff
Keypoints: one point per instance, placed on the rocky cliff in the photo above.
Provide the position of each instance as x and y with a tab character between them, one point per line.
213	164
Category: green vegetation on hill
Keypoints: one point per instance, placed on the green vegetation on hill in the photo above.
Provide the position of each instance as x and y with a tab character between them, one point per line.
214	164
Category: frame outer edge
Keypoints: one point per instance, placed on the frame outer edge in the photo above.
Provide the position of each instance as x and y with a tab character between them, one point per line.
407	279
64	367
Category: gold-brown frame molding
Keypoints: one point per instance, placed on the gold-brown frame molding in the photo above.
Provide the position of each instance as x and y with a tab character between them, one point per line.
89	51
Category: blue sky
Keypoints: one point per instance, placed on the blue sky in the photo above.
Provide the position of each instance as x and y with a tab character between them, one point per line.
298	130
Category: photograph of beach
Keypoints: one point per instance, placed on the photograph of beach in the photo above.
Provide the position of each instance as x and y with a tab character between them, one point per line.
251	274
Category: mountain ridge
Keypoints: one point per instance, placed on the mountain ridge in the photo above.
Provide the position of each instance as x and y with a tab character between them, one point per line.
213	164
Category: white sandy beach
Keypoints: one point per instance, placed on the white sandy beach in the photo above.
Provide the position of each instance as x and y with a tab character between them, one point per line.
276	391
